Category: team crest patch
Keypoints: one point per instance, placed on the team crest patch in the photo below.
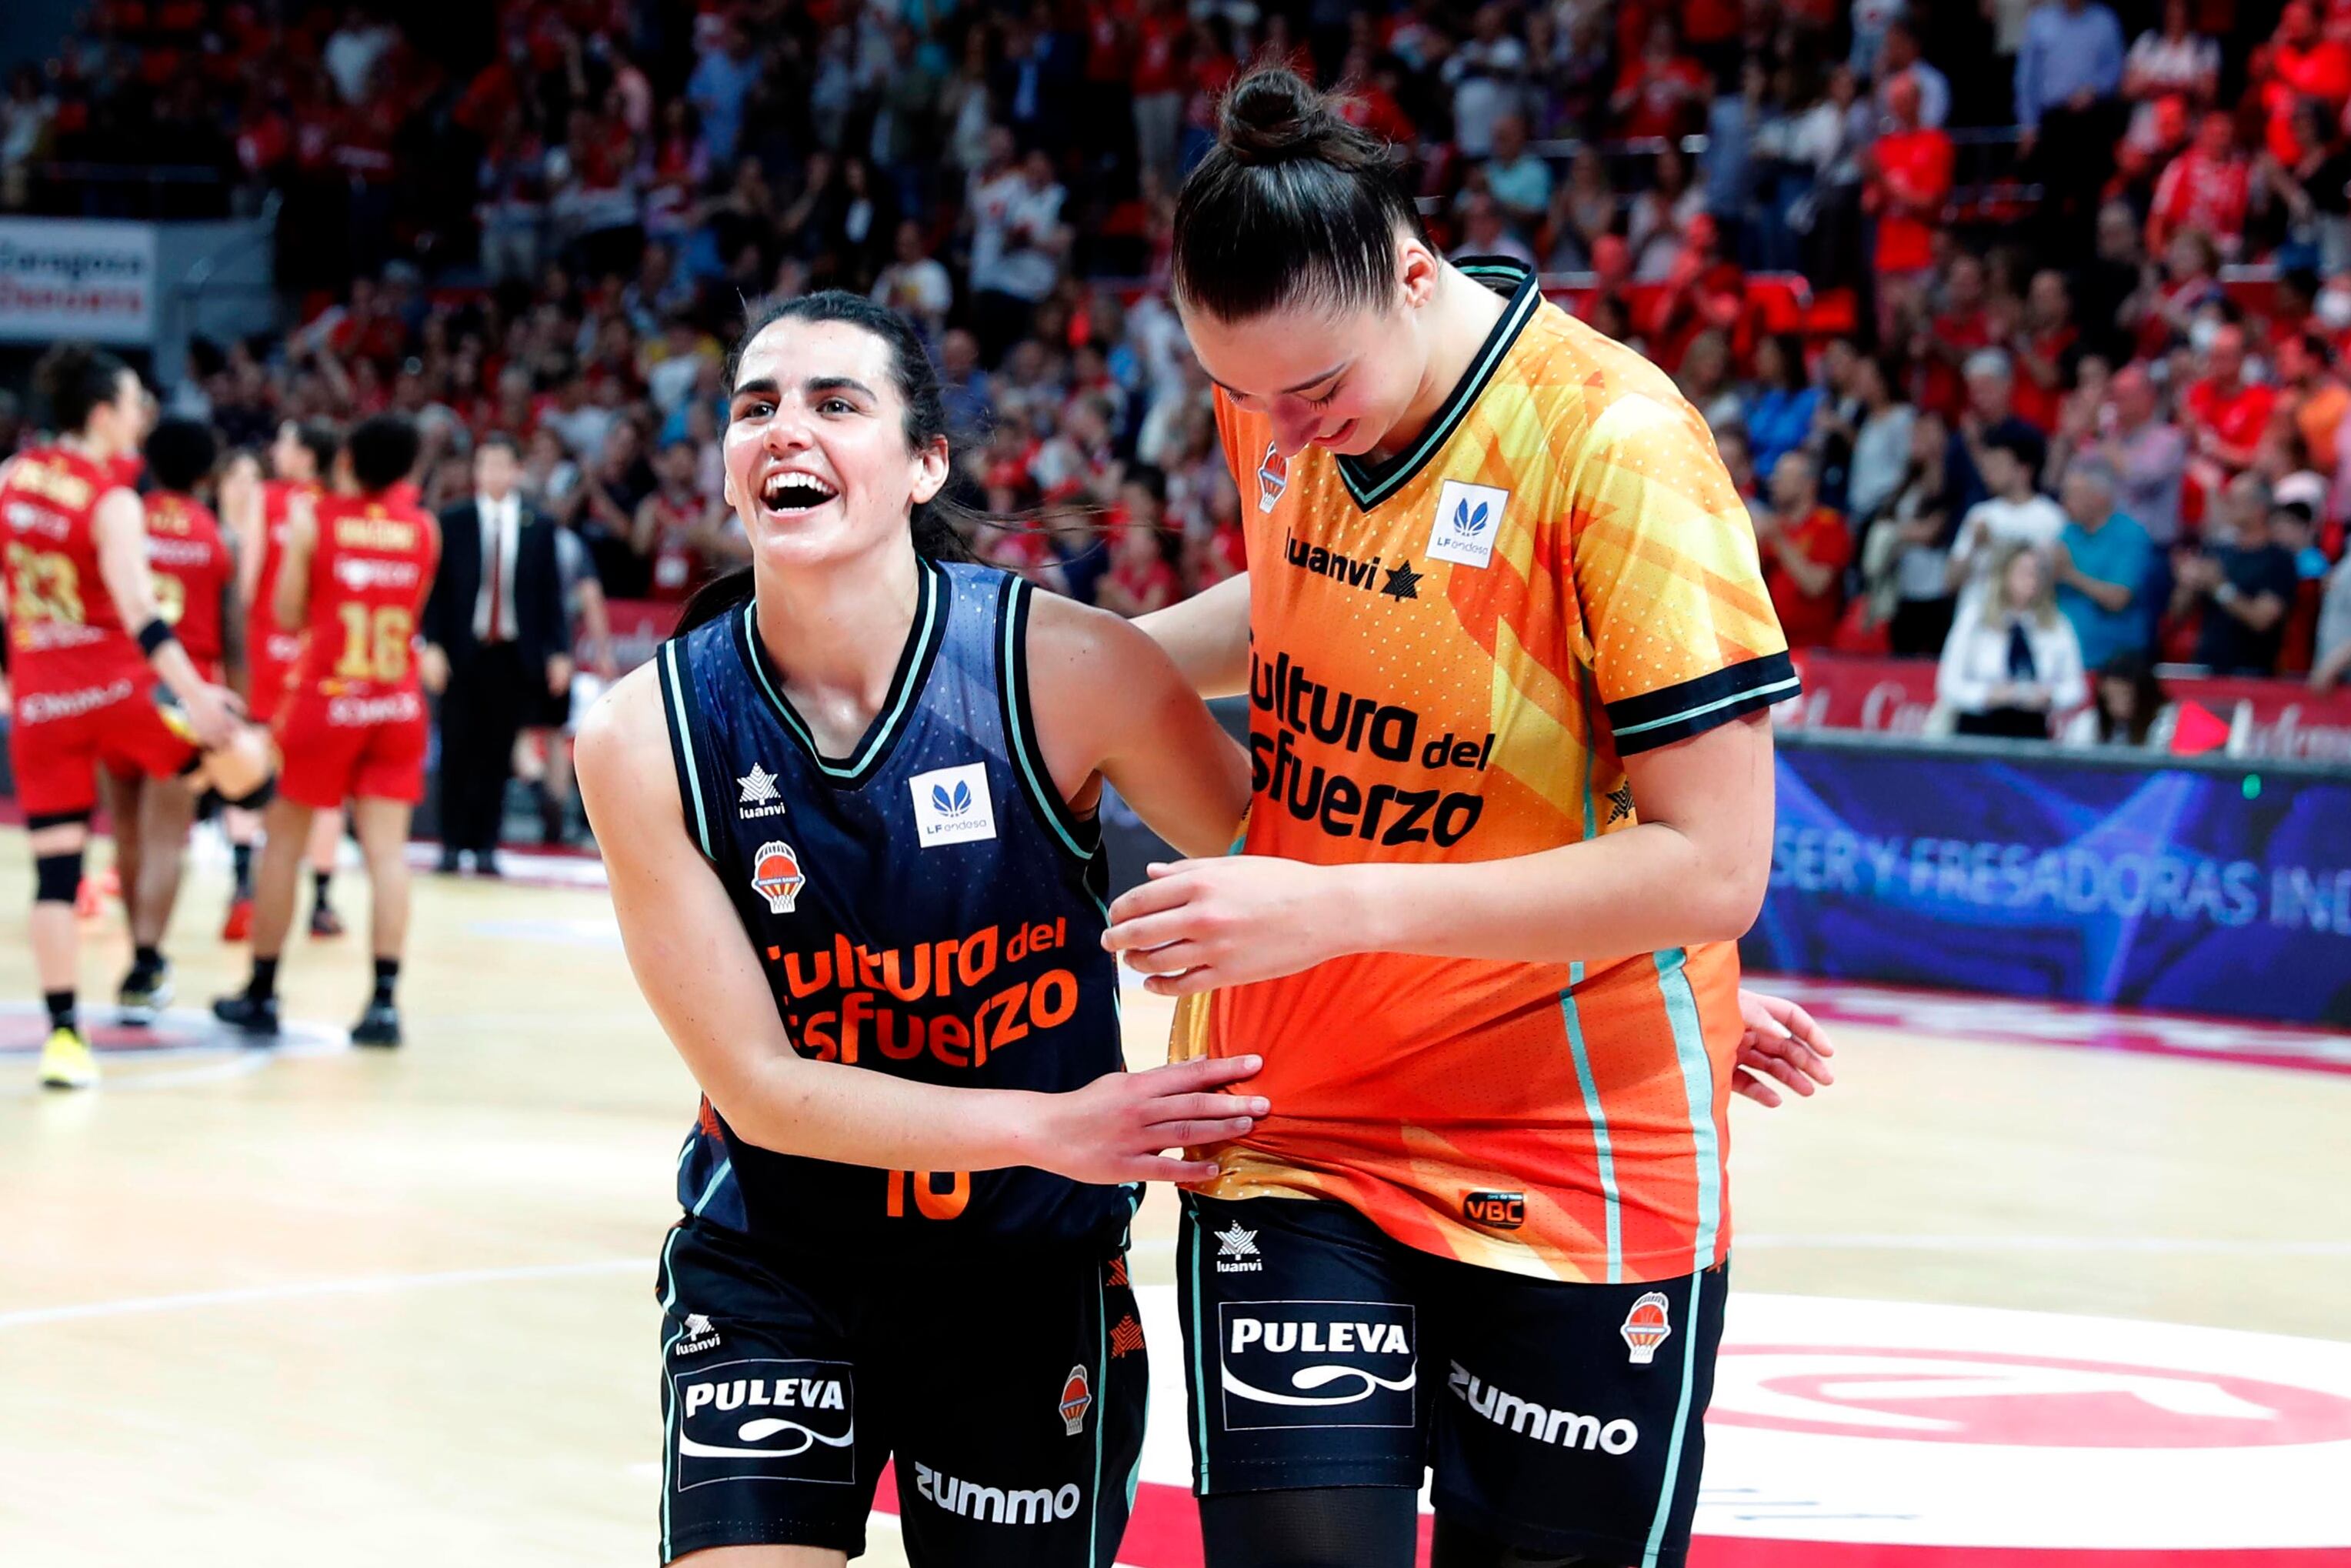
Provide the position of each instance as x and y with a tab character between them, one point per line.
1468	516
1076	1398
775	875
1272	477
1645	1328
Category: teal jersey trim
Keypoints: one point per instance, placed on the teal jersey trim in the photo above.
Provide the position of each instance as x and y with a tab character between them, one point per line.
1681	1428
1370	484
1698	1086
905	683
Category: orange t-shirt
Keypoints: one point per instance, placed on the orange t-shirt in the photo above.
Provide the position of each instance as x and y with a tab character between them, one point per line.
1453	652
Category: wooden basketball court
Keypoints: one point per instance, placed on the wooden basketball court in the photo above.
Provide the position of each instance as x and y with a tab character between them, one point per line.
316	1305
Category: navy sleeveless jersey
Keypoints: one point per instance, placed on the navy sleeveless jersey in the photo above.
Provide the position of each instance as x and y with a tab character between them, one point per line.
928	906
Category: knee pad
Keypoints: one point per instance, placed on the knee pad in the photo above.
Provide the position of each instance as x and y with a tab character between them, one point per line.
56	878
260	796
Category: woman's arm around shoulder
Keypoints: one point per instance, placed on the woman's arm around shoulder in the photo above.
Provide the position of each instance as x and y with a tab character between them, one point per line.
1110	700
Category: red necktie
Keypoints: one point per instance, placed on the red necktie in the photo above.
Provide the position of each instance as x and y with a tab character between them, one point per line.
497	575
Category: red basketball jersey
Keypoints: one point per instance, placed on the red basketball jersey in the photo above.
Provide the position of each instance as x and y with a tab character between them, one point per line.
372	568
191	572
62	628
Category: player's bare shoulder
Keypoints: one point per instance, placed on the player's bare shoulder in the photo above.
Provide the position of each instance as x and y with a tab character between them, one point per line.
622	747
628	715
1085	662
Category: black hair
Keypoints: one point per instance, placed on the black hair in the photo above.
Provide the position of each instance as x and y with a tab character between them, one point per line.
320	441
384	449
1293	205
180	452
1792	370
2146	697
77	378
1151	481
939	522
2016	444
499	438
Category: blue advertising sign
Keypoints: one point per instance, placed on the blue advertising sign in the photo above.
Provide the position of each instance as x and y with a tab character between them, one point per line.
2054	876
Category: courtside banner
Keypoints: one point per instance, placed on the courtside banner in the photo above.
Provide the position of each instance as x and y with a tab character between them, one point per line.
72	277
2280	718
639	625
1977	866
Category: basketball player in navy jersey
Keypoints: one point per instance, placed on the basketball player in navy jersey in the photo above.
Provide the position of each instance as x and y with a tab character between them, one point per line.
848	818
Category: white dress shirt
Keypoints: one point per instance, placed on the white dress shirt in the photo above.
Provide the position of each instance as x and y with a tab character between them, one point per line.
501	537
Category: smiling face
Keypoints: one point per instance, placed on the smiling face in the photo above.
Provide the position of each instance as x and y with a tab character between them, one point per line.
1341	381
816	460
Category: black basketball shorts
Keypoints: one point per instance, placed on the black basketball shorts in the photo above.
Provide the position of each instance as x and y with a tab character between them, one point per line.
1008	1390
1561	1419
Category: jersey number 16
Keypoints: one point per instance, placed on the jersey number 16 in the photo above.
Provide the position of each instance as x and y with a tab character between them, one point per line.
375	642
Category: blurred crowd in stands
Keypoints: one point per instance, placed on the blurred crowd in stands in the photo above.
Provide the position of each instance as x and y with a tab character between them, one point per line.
2019	321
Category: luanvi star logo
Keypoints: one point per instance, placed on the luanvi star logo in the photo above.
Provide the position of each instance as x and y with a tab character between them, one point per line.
1403	582
1620	801
761	798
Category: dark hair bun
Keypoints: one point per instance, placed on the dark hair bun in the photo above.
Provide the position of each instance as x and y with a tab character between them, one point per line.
63	368
1272	115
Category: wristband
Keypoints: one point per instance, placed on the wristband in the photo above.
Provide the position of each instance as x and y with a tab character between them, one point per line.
2225	594
154	634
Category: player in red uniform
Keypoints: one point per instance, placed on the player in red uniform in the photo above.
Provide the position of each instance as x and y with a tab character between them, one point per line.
195	589
88	646
358	564
300	457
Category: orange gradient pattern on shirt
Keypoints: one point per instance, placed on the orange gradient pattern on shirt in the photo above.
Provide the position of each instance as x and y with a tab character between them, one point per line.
1452	654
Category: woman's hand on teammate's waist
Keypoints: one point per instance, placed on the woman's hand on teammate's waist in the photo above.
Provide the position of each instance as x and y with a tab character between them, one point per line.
1200	923
1781	1041
1114	1129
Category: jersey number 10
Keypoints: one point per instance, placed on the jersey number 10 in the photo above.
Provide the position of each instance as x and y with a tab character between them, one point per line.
929	1201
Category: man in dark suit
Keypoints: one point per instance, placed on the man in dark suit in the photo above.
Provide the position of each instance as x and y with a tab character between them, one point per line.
493	646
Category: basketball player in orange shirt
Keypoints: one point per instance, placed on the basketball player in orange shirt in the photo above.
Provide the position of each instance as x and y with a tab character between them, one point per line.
1508	652
358	564
195	589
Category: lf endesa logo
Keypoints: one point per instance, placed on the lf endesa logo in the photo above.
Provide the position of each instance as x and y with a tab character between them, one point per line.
1317	1363
766	1420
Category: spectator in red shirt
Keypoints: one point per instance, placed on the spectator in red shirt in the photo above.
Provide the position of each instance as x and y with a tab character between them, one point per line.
2206	188
2300	63
1139	578
2043	343
2226	413
1160	32
1805	549
1956	330
1909	181
1369	84
1661	91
